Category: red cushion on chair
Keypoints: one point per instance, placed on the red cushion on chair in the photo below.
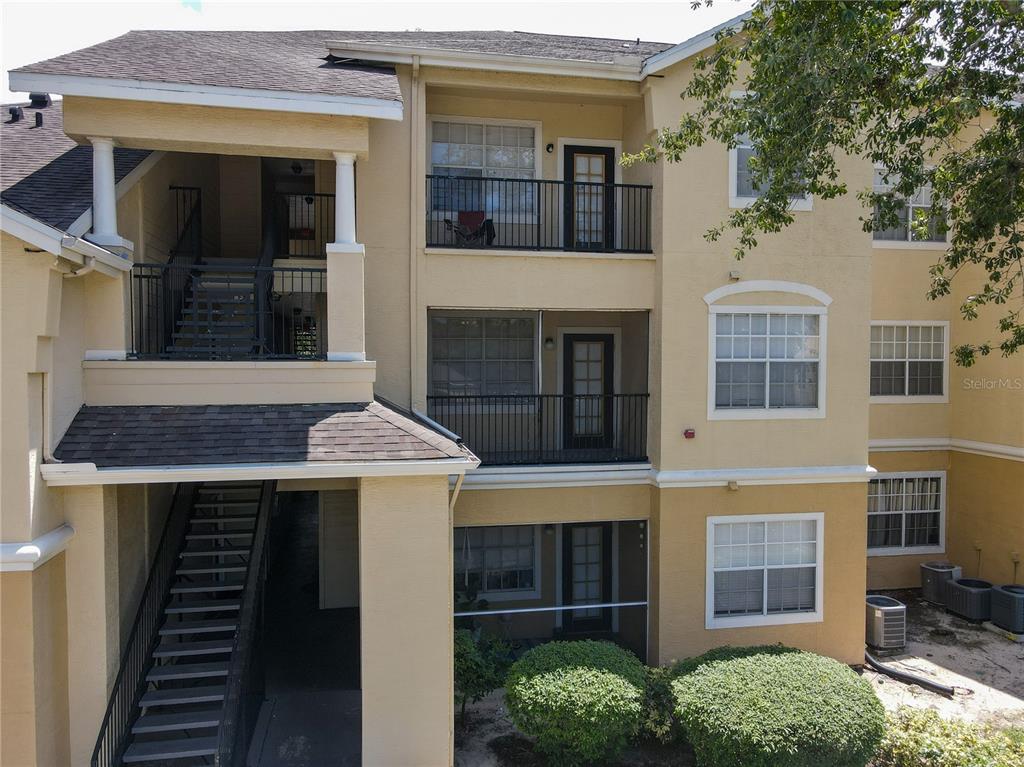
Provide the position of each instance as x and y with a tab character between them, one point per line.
471	219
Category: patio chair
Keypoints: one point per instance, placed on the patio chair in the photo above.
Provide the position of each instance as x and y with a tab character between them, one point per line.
473	228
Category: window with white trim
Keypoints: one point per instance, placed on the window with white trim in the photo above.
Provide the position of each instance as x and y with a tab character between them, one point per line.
918	209
905	512
499	560
764	569
471	150
479	355
742	188
764	360
908	359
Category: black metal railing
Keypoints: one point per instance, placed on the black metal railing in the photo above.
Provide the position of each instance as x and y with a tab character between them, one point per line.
305	224
504	430
536	214
188	222
130	682
243	694
220	312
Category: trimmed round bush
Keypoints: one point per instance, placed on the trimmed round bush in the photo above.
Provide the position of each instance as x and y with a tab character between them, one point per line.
781	709
924	739
582	701
660	721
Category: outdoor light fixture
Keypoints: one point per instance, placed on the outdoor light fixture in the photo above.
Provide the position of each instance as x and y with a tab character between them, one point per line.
549	343
549	148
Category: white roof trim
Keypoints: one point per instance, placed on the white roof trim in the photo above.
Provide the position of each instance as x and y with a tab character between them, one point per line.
921	444
67	474
54	241
624	68
768	286
794	475
688	48
207	95
25	557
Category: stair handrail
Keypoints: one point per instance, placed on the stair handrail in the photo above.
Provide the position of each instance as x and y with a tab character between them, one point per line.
130	682
244	692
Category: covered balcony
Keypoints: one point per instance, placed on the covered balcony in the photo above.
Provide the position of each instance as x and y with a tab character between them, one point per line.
541	387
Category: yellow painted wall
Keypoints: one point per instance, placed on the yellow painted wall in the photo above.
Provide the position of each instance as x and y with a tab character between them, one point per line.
679	579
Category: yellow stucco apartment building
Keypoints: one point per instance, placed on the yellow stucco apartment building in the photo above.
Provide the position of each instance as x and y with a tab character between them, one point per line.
315	342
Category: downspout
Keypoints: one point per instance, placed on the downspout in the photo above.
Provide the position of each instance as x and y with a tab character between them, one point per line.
414	185
455	493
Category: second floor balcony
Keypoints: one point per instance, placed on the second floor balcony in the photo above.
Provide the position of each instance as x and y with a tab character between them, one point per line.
466	211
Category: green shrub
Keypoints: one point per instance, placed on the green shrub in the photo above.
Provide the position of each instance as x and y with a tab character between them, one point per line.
779	709
582	701
660	721
481	662
924	739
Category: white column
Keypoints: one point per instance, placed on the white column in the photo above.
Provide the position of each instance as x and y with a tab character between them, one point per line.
345	198
104	197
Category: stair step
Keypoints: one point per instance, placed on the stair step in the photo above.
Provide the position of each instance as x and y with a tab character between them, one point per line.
197	587
202	606
190	720
188	649
186	671
221	534
172	628
214	334
182	748
218	551
179	695
226	502
223	518
223	350
210	569
207	487
218	323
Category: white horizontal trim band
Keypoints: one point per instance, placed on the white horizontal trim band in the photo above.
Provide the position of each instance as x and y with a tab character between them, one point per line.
207	95
793	475
565	608
921	444
67	474
25	557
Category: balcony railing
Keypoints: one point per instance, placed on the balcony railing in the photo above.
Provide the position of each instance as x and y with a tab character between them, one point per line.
204	311
305	224
536	214
506	430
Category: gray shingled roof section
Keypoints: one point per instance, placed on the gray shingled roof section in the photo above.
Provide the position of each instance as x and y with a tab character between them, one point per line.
595	49
46	175
279	61
184	435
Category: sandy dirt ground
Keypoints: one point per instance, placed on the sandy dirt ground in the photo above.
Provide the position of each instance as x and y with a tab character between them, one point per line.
986	670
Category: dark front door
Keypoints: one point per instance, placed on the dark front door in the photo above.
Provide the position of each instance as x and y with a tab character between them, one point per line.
587	576
590	198
588	376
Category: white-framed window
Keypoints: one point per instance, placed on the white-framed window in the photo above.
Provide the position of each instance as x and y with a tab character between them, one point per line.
906	513
485	354
909	361
764	569
498	562
767	362
917	208
742	189
474	149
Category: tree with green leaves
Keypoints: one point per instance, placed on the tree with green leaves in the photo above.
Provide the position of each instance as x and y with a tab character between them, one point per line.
928	90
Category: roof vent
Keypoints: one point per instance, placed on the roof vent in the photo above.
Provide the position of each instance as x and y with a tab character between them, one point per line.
39	119
39	100
17	113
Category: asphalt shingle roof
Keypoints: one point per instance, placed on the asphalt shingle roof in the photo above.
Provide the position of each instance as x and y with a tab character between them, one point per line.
183	435
285	61
45	174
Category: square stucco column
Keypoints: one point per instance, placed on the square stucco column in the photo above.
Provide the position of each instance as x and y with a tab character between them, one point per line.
346	324
93	611
406	625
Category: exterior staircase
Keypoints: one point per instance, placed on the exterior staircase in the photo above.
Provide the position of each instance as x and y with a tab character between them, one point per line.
220	316
184	695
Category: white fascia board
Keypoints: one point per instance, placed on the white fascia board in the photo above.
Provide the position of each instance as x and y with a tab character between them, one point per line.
795	475
626	69
921	444
688	48
25	557
70	474
34	232
207	95
83	223
521	477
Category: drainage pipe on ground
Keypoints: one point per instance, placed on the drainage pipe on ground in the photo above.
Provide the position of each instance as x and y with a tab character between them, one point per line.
907	678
